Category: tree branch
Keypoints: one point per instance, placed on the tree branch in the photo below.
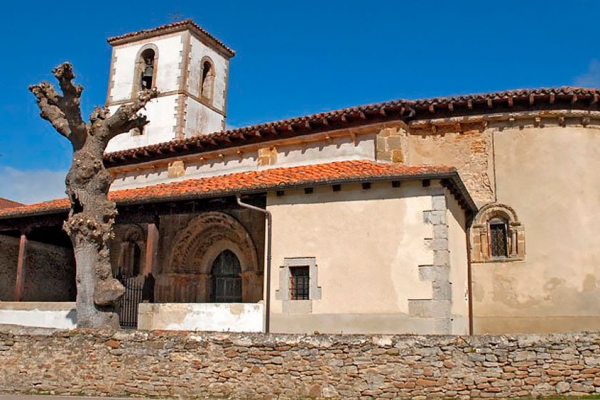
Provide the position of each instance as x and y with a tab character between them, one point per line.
70	102
47	100
62	112
126	117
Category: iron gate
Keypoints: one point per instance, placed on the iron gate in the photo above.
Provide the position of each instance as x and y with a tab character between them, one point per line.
128	306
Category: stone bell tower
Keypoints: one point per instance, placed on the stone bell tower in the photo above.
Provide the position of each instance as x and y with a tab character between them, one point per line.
190	69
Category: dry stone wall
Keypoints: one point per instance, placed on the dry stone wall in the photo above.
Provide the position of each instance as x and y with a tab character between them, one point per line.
211	365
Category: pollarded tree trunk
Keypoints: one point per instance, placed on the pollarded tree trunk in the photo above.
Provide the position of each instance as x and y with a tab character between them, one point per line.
92	215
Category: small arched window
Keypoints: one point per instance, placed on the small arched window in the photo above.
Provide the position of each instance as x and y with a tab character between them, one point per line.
226	279
208	80
498	238
497	235
146	74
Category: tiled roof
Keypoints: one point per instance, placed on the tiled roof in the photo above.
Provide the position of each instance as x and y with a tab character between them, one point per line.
5	203
263	181
406	110
172	27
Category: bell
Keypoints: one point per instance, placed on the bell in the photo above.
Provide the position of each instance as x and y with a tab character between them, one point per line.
148	71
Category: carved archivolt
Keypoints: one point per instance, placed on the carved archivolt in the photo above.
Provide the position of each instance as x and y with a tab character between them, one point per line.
205	237
480	233
193	253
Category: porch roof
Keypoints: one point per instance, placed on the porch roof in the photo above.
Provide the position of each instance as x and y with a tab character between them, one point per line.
6	203
264	181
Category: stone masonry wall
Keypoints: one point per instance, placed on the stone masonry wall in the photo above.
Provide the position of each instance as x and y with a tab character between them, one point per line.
209	365
9	254
49	271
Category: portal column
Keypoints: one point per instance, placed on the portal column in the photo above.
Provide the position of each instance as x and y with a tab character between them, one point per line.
151	252
151	248
21	265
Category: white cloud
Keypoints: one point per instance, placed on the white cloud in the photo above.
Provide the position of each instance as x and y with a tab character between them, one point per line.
31	186
592	77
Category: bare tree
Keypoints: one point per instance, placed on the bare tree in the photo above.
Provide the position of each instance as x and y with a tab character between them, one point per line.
92	215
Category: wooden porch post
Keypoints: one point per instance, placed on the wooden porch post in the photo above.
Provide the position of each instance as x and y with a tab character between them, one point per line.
151	248
21	268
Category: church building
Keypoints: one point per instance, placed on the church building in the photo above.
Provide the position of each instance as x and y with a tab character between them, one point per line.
456	215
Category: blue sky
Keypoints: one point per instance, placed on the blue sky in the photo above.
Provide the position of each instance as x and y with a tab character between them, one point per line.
293	58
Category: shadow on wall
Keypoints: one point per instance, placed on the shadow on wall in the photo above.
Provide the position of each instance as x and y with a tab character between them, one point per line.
72	316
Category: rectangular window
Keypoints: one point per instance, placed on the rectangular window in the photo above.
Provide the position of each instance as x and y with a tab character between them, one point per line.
499	240
299	283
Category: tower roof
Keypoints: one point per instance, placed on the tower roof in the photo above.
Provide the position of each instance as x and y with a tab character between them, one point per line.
171	28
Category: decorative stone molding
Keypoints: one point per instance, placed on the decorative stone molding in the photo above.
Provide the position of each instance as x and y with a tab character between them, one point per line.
480	234
205	237
194	251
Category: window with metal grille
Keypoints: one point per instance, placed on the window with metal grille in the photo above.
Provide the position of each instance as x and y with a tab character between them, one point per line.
226	280
498	239
299	283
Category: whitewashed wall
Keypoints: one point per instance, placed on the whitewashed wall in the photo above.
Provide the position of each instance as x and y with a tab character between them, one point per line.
339	149
38	314
162	114
231	317
198	51
167	69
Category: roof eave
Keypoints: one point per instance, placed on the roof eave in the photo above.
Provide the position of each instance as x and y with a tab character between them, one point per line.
451	176
398	110
173	28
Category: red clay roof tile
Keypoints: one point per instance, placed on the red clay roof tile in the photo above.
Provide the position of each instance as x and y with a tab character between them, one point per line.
172	27
259	181
5	203
406	110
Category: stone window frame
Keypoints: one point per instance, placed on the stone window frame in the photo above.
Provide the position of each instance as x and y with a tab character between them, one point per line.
480	234
139	64
207	98
283	293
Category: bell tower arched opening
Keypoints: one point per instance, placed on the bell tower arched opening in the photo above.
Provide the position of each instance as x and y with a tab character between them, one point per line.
146	65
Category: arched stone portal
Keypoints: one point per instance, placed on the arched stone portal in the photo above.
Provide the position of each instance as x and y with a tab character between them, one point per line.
188	278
